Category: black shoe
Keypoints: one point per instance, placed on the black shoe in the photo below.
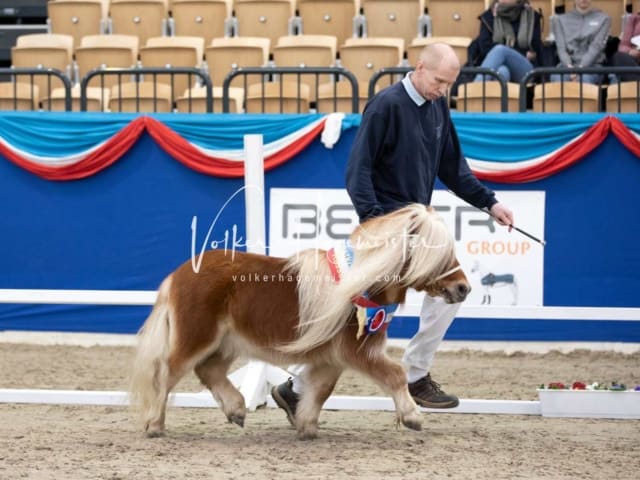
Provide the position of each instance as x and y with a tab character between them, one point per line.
287	399
428	393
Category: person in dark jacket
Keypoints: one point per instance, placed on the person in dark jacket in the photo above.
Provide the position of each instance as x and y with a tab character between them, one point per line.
405	141
510	41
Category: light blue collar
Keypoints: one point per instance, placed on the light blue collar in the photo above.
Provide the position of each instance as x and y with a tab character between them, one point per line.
418	99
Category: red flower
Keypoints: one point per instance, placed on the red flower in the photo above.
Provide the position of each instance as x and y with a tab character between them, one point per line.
578	386
556	386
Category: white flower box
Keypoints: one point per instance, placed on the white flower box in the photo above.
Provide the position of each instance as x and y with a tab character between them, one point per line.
589	403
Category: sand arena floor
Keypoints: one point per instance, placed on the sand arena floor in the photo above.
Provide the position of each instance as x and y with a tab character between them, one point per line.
84	442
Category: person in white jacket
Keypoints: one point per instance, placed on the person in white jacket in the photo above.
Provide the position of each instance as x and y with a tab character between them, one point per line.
581	37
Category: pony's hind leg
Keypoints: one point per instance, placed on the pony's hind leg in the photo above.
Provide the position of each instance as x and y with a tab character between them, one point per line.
319	381
212	372
391	376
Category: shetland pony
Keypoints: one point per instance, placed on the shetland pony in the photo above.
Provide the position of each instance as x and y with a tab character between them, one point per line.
292	311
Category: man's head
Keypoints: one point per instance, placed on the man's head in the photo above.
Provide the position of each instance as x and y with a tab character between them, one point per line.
584	6
436	70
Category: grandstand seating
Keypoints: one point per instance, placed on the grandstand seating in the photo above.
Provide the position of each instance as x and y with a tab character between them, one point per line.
364	56
95	51
277	97
18	96
178	51
328	17
392	18
306	50
623	97
200	18
143	18
226	54
264	18
337	97
77	18
43	50
140	97
97	99
486	97
616	9
566	97
194	100
458	17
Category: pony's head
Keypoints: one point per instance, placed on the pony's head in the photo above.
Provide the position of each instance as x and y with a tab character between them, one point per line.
411	247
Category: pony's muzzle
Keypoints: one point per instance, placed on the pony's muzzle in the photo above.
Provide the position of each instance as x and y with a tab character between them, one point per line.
456	292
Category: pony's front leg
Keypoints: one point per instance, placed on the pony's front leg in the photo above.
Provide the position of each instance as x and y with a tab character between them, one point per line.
319	381
391	376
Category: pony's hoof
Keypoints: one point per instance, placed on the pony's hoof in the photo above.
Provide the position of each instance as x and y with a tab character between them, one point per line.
154	433
307	435
413	424
237	419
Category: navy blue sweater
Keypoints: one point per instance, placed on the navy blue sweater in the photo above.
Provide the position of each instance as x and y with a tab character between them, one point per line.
399	150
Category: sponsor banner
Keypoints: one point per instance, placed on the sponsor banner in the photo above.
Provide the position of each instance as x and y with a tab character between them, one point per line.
504	268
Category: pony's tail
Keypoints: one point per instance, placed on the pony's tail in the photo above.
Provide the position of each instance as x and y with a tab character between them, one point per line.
150	373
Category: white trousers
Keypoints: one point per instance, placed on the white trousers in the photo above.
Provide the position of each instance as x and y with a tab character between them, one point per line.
435	318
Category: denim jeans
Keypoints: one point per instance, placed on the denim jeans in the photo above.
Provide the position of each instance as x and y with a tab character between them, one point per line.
594	78
509	63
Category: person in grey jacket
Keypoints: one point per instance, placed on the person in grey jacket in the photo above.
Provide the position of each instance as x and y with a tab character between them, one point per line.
581	37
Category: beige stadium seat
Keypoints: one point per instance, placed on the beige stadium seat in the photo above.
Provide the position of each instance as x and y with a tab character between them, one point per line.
194	100
200	18
547	9
554	97
623	97
180	51
227	54
278	97
328	17
392	18
107	51
77	17
459	45
486	97
264	18
46	50
459	17
142	18
309	51
365	56
140	97
615	9
18	96
337	97
97	99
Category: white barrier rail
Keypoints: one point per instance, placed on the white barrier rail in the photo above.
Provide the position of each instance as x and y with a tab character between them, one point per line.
148	297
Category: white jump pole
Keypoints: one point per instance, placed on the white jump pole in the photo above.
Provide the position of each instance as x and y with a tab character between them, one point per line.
256	376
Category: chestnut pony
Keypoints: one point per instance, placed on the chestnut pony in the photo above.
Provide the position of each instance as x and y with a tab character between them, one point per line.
292	311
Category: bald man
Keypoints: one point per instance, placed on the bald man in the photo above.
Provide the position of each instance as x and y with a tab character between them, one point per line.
406	140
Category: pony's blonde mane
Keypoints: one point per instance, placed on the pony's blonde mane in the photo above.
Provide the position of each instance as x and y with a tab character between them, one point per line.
408	247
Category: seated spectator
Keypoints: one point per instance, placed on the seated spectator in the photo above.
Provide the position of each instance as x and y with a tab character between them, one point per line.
510	41
581	37
628	54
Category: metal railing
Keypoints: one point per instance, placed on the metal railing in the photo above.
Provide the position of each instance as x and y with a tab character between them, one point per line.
272	73
138	75
394	72
543	74
31	73
538	76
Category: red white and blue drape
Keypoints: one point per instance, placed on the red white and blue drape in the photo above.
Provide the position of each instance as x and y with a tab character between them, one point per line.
75	146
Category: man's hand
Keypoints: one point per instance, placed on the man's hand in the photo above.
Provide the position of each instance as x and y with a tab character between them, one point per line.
502	214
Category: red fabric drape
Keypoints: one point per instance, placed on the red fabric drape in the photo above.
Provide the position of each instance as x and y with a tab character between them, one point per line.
96	161
188	155
571	154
